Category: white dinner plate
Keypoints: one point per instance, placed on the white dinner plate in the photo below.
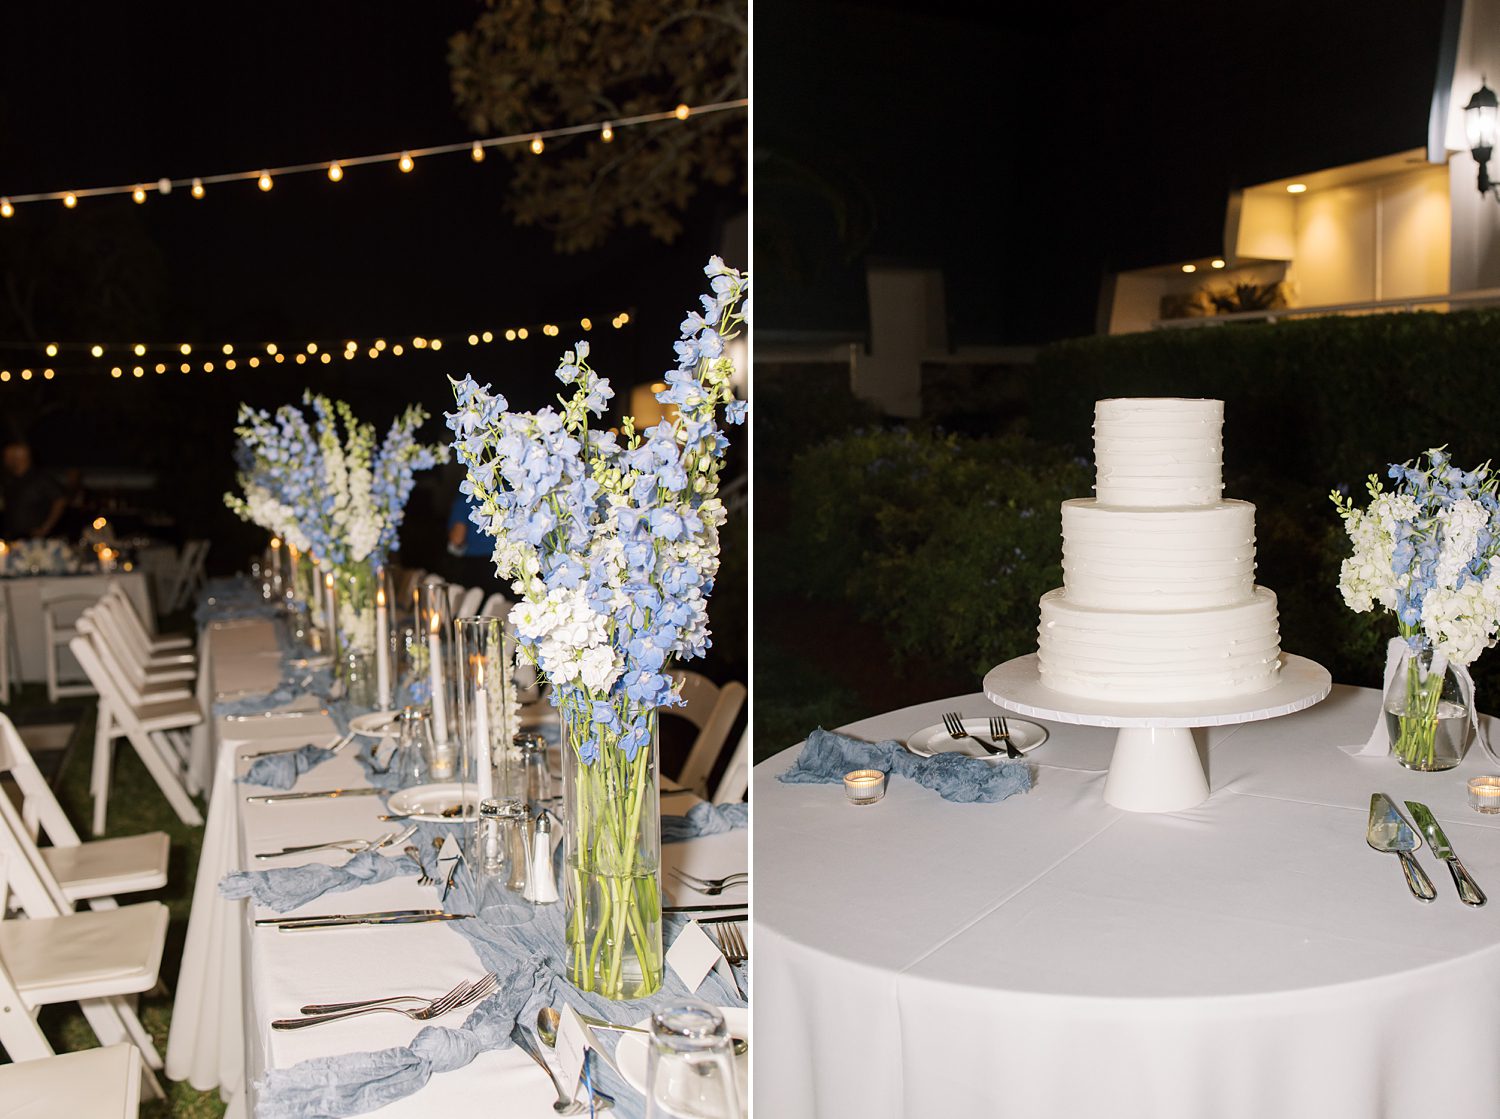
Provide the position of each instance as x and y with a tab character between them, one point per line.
630	1054
1024	736
427	802
377	724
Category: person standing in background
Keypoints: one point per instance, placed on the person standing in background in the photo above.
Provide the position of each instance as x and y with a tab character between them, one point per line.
469	550
34	502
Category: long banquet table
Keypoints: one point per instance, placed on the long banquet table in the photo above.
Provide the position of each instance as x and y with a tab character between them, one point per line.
236	978
1051	956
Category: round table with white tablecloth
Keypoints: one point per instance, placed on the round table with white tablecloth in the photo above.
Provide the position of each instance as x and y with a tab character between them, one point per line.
1050	956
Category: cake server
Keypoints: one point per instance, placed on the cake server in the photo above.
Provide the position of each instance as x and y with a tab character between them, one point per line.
1388	831
1468	890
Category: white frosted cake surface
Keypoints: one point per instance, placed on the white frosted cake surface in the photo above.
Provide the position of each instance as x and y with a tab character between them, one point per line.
1159	451
1159	602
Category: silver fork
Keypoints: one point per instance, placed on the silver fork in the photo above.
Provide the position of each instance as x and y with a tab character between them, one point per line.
711	886
335	1007
732	945
453	1000
953	723
354	846
1001	733
423	879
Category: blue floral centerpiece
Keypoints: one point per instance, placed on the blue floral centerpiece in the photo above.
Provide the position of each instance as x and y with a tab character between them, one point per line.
1426	552
327	490
611	540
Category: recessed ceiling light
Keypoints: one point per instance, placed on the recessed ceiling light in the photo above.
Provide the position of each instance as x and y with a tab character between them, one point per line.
1296	188
1190	268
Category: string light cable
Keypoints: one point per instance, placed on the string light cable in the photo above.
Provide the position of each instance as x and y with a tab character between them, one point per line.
335	169
36	361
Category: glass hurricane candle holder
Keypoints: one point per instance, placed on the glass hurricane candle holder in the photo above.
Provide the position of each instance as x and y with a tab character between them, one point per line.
486	711
437	661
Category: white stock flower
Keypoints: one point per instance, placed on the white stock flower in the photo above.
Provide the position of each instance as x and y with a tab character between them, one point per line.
599	668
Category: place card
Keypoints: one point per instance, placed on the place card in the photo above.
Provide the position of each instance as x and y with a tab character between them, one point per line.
449	849
693	955
574	1040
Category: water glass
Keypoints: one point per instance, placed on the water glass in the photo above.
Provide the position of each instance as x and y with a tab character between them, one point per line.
358	674
502	863
411	763
690	1069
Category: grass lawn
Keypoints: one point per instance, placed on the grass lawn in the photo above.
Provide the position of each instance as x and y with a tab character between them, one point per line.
135	805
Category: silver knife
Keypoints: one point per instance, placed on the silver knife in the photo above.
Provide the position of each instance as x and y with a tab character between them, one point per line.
348	916
1468	890
276	798
703	908
1388	831
350	922
300	713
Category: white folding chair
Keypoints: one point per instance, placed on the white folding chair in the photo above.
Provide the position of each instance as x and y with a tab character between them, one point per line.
147	672
90	1084
141	688
736	780
154	731
468	603
157	650
74	871
496	606
712	710
191	574
61	608
94	958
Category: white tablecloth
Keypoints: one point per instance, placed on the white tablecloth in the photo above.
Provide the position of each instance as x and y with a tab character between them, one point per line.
235	979
23	597
1051	956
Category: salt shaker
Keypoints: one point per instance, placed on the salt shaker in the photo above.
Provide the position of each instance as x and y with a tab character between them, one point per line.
537	786
541	886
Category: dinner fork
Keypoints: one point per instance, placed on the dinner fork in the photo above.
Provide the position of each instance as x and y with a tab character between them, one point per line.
423	879
460	996
354	846
711	886
732	945
335	1007
953	723
1001	733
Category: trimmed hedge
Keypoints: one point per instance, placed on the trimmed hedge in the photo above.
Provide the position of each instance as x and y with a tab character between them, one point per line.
1323	401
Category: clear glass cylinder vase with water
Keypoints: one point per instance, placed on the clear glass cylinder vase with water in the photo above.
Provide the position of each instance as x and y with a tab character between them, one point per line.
1427	712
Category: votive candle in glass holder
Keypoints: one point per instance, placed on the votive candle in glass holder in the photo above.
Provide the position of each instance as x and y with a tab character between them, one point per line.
1484	794
864	786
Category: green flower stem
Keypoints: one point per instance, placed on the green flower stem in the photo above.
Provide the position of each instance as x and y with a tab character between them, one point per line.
1416	739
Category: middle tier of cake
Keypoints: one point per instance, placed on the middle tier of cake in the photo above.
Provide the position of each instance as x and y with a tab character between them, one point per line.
1181	558
1144	656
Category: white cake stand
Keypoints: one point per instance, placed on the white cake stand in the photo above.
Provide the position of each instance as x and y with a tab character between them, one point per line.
1155	767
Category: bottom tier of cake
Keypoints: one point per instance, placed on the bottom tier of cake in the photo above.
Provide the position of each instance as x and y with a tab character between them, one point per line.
1159	656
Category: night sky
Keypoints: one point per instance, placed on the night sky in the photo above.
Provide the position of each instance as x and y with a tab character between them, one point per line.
1030	149
94	94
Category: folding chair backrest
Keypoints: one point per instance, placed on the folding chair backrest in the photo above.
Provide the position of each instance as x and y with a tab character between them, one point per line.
712	710
33	884
736	780
100	674
104	618
39	807
131	629
496	606
125	685
468	604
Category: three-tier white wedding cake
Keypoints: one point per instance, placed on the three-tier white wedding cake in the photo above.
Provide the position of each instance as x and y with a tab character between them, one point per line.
1159	602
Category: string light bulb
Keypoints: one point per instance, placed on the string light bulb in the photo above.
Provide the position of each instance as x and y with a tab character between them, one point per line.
254	362
537	146
197	191
140	349
607	133
228	349
487	336
397	350
510	335
406	163
51	349
301	359
682	112
116	371
5	374
185	349
96	350
264	182
325	358
185	367
587	324
380	343
335	171
473	339
312	347
208	367
436	343
476	153
6	209
229	365
49	373
521	334
139	194
161	367
70	200
138	371
26	374
271	348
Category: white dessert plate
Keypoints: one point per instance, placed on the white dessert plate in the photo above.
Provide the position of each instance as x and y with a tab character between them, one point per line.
630	1054
377	724
430	802
928	741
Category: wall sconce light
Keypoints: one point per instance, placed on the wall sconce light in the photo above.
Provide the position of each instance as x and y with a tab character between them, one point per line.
1479	122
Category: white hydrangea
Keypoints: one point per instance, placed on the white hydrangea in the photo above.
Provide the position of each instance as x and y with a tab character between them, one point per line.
1366	578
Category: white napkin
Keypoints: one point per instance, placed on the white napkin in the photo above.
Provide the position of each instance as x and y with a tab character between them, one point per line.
1379	743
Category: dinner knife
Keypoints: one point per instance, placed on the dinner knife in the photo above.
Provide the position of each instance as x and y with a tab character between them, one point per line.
350	922
276	798
1388	831
711	908
348	916
1468	890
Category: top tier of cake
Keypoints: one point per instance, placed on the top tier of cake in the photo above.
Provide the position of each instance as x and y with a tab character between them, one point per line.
1158	451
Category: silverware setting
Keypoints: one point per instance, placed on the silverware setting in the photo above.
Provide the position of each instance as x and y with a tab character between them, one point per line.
711	886
339	1007
703	908
547	1023
347	922
565	1104
423	879
953	723
1388	831
732	945
277	798
353	846
301	713
282	922
741	1046
338	745
462	995
1468	890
